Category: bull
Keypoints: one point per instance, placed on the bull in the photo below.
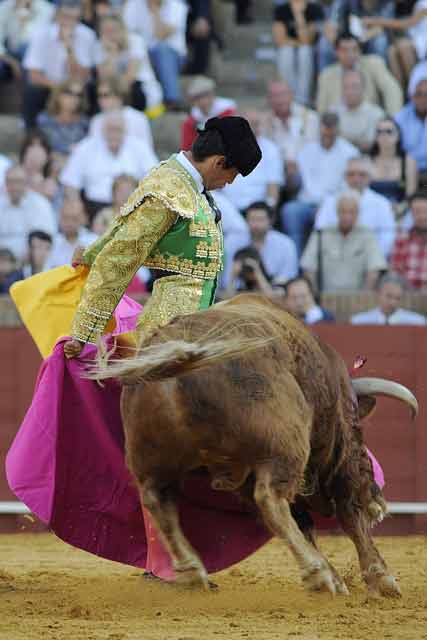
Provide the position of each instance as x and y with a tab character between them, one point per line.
247	392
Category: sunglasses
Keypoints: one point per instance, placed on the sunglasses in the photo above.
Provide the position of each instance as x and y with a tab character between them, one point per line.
389	131
104	94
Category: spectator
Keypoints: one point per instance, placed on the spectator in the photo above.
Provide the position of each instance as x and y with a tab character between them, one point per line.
22	211
409	257
394	172
111	99
412	120
205	104
124	55
162	24
375	38
122	188
64	50
375	211
289	124
9	271
64	123
96	161
39	247
34	157
334	12
248	274
409	19
321	166
345	257
4	165
300	300
277	251
389	291
72	235
265	180
199	36
380	86
243	13
358	118
294	34
19	19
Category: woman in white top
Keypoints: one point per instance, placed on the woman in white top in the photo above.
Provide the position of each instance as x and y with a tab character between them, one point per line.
122	54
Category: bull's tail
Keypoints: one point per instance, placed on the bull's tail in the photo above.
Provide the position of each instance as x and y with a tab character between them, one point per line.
173	358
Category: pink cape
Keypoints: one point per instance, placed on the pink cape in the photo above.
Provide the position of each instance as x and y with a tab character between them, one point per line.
67	465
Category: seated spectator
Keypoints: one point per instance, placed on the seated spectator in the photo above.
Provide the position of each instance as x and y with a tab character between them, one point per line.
123	186
19	19
409	256
200	33
389	291
35	158
4	165
205	104
63	50
111	98
277	251
39	248
375	211
288	124
412	120
375	38
300	300
380	86
124	55
294	34
64	123
358	118
72	233
248	274
96	161
22	211
410	20
321	166
345	257
394	173
9	270
335	18
265	181
162	24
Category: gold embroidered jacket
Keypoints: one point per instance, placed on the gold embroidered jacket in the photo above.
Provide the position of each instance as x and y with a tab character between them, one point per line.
166	224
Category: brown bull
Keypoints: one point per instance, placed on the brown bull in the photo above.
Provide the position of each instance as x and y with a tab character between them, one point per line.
245	390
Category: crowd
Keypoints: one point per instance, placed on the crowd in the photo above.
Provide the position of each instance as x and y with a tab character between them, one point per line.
338	203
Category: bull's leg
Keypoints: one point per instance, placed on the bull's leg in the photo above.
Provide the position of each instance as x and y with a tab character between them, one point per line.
306	525
374	569
187	565
271	497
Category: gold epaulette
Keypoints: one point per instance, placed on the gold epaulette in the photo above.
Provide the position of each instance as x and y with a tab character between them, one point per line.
171	185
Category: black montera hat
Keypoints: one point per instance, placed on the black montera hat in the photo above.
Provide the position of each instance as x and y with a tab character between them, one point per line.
239	140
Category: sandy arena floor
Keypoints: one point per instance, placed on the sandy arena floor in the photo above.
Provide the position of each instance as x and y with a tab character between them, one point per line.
49	591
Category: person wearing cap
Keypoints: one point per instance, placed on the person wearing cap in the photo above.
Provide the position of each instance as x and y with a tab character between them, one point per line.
204	105
171	223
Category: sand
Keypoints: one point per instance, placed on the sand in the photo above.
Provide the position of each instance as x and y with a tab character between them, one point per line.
49	591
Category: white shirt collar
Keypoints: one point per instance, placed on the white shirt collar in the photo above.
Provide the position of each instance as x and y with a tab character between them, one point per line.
191	169
314	314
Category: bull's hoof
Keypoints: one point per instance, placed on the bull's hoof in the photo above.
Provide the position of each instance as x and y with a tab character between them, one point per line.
386	586
319	577
340	586
192	578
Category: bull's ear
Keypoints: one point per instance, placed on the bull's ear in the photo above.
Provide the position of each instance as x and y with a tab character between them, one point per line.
366	405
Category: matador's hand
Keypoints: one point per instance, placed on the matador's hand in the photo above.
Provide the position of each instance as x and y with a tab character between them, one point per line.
73	348
77	256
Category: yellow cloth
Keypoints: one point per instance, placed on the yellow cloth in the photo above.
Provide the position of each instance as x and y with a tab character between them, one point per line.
47	303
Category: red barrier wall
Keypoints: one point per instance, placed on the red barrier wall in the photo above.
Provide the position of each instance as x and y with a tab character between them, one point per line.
399	353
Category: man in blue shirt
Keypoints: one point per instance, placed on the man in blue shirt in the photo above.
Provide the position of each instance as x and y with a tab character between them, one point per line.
412	120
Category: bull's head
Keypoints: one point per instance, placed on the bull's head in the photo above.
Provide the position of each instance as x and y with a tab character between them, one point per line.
367	389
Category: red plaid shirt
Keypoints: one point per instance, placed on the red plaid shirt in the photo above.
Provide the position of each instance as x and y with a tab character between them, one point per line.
409	258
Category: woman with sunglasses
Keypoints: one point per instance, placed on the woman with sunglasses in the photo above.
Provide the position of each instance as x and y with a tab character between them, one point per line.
394	173
64	123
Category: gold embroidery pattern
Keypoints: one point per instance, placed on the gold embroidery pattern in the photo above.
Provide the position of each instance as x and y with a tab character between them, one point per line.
184	266
172	296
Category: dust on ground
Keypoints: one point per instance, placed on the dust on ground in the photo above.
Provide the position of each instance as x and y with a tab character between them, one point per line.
51	591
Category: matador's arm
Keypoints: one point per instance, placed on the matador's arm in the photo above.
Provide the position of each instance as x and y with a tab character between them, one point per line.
115	259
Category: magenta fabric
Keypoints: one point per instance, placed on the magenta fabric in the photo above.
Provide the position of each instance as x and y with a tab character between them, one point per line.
67	465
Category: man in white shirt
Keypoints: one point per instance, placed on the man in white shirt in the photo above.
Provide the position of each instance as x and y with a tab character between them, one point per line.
162	23
375	212
63	50
4	165
96	161
72	235
321	173
264	183
390	290
22	211
236	232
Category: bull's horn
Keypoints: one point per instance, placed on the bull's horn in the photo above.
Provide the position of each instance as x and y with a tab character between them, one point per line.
381	387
